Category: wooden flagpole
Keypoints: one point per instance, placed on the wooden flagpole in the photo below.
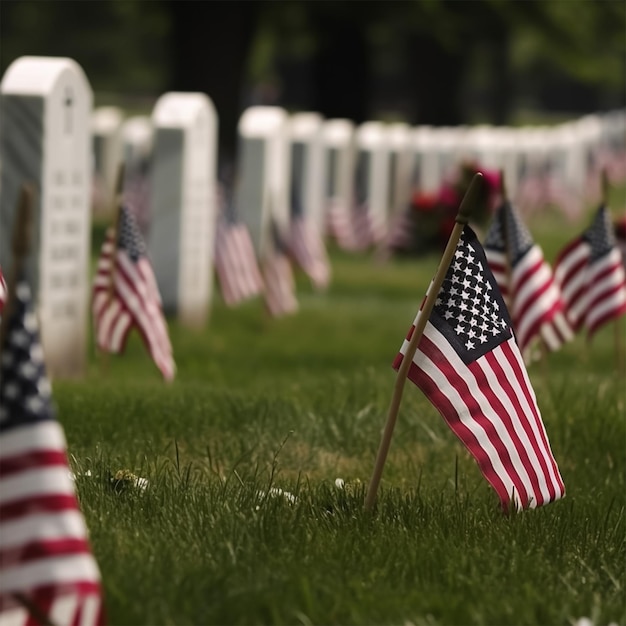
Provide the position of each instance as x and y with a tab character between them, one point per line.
462	218
20	244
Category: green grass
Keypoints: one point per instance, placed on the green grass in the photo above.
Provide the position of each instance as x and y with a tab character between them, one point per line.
295	403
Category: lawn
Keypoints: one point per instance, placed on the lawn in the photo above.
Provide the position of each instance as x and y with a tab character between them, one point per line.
244	521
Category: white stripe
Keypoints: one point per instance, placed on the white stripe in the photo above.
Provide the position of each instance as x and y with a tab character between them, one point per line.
122	323
43	526
90	610
63	609
17	616
46	435
57	570
36	482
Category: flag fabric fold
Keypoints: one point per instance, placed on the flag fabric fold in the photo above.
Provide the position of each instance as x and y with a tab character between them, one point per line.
470	367
307	248
590	273
526	282
235	263
126	296
46	565
3	291
280	297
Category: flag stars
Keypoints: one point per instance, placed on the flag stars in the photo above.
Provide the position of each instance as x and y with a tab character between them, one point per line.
36	353
28	370
20	338
34	404
30	322
11	390
470	345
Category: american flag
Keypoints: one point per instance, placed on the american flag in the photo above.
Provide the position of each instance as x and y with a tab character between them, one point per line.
3	291
339	225
620	235
126	295
280	296
47	570
368	229
235	262
526	282
401	235
591	275
470	368
307	248
280	284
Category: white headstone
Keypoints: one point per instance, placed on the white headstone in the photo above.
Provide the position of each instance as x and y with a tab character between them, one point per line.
372	172
307	171
46	105
261	196
106	128
338	140
183	203
137	140
401	163
428	173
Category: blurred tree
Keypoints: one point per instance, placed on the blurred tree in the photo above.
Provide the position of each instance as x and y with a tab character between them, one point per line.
210	45
436	62
119	45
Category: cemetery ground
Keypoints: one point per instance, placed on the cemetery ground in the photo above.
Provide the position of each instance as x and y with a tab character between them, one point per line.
242	520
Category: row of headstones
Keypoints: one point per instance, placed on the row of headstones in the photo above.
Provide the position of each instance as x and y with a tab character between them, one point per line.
51	137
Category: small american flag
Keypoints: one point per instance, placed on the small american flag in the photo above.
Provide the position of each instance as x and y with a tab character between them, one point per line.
308	250
3	291
526	282
47	570
126	295
235	263
280	296
470	368
339	225
591	275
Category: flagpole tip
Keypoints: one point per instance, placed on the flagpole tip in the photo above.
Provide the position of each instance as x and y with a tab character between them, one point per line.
469	199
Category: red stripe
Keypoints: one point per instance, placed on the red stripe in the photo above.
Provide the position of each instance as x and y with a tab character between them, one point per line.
44	596
43	548
37	504
30	460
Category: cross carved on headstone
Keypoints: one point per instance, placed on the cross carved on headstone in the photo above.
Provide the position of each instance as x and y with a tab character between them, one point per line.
68	102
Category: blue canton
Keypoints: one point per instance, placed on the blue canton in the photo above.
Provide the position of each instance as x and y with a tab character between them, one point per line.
129	238
25	392
519	238
600	235
469	310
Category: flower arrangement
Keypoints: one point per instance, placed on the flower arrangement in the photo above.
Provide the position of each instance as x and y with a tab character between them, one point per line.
431	216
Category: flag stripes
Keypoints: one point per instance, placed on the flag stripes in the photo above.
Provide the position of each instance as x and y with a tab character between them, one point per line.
307	248
280	296
591	276
235	263
494	416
